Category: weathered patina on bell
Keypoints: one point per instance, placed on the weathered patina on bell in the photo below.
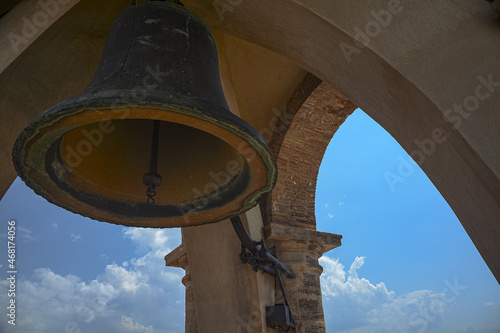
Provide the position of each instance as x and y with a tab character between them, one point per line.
94	154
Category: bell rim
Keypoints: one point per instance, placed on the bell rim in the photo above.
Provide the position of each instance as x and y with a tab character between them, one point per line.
70	106
155	100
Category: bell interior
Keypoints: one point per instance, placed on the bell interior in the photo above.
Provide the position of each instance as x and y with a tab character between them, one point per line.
103	165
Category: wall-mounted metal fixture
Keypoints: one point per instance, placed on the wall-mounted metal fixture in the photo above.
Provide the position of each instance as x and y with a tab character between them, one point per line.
261	258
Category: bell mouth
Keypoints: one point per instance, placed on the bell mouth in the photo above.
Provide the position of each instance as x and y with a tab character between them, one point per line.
91	161
88	154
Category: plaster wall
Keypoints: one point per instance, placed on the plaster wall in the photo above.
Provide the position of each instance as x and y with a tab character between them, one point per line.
431	56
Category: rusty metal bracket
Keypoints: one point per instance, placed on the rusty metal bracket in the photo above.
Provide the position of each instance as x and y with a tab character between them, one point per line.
262	258
258	255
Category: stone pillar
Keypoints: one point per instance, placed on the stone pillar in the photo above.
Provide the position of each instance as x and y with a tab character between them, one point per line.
178	258
300	250
229	297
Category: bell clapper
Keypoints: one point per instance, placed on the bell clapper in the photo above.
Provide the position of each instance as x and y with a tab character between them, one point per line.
151	178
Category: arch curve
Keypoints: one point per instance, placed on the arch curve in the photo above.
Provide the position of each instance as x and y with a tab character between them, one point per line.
310	125
407	79
411	77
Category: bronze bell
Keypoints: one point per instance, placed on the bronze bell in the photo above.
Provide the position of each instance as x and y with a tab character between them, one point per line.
151	141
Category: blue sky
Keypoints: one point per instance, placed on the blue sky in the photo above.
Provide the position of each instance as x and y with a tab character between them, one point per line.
406	263
403	235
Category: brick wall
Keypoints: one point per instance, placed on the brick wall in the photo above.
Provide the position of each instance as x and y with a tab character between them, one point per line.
311	117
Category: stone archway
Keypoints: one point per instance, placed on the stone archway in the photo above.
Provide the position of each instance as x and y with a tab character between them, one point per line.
412	75
299	151
301	135
427	73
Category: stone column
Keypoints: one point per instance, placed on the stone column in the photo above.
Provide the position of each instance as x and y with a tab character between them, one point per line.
300	250
228	296
178	258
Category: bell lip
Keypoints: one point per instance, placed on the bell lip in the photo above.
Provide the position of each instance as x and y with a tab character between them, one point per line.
70	106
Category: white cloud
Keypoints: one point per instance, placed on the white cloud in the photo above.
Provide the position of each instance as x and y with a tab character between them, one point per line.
330	215
129	325
492	304
123	279
353	304
141	295
153	239
479	330
75	237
